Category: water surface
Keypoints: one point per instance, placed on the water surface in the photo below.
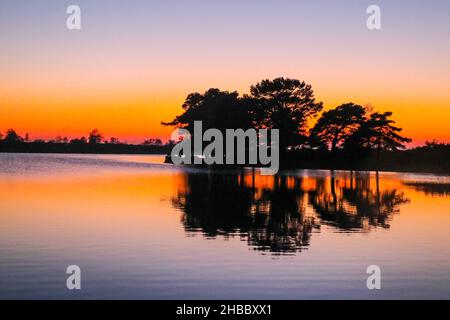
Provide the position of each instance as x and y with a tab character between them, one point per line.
139	228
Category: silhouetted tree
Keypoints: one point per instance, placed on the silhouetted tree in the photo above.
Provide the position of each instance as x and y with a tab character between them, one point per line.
81	140
335	126
433	143
216	109
12	136
95	137
285	104
152	142
60	139
378	133
114	140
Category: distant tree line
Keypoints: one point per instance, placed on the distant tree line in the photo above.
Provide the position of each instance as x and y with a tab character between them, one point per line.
95	142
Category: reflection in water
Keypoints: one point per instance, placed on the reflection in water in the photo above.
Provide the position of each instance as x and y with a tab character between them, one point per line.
109	214
431	188
279	214
357	205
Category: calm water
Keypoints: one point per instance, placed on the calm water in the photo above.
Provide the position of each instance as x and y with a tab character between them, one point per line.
142	229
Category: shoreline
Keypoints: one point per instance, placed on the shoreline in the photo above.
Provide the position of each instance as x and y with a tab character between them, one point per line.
363	165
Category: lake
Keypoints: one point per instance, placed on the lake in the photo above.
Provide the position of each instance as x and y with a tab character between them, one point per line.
139	228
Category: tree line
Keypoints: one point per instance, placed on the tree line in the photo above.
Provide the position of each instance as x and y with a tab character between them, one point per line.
95	142
94	137
289	105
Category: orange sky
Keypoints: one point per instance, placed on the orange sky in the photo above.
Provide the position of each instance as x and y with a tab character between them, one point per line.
133	111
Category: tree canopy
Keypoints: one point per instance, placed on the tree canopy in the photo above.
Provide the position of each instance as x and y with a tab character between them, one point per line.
216	109
95	137
335	126
378	132
11	136
285	104
288	105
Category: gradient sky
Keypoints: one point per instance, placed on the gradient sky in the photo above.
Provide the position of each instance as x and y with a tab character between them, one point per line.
134	62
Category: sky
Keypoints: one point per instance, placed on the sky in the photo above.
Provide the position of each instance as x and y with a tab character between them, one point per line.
133	62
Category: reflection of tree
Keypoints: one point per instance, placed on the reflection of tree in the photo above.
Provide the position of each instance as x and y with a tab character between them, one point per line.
432	188
286	227
215	204
223	205
274	217
356	206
